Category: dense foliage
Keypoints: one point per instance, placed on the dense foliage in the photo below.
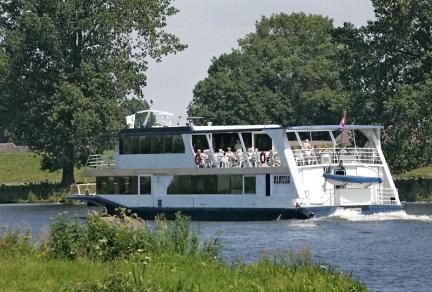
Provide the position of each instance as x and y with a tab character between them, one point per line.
298	69
388	67
283	73
126	254
66	67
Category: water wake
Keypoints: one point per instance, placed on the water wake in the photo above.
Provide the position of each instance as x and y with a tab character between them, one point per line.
354	215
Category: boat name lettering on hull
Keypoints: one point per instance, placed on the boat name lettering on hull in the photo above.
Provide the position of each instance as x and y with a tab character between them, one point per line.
281	179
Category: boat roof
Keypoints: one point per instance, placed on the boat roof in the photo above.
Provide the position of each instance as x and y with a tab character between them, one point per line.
333	127
246	128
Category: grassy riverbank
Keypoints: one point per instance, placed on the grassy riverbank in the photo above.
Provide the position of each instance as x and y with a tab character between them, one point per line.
22	180
24	168
112	254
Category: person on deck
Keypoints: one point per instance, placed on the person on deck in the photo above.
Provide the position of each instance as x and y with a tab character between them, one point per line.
307	145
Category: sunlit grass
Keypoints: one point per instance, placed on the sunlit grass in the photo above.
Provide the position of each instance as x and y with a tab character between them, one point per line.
422	172
22	168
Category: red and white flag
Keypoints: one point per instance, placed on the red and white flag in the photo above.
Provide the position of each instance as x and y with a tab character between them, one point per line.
342	122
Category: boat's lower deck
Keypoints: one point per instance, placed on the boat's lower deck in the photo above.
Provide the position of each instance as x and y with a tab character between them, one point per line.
234	214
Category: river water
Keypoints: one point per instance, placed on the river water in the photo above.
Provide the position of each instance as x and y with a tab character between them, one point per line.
385	252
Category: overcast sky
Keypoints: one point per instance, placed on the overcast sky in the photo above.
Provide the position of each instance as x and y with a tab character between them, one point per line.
212	27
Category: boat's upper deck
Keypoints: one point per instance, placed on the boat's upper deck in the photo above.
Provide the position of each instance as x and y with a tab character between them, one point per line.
242	146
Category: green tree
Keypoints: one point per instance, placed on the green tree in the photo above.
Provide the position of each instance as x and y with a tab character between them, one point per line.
285	72
386	67
70	64
408	139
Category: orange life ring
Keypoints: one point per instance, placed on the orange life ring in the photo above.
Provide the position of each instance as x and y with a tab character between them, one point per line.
263	157
198	159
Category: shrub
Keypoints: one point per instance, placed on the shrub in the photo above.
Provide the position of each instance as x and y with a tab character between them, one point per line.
124	237
15	243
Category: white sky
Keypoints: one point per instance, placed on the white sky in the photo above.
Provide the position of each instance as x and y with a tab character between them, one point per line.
212	27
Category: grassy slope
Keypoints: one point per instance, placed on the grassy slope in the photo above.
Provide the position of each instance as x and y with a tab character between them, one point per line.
21	168
31	273
423	172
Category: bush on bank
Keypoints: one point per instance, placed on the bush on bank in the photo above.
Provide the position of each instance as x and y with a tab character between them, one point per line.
125	254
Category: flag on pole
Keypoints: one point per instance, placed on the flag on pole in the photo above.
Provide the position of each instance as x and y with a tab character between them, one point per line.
342	122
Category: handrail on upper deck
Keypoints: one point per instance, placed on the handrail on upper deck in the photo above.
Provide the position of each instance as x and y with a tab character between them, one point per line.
328	156
100	161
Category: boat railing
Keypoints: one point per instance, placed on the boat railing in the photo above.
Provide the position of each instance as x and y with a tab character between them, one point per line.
326	156
385	196
100	161
208	159
83	189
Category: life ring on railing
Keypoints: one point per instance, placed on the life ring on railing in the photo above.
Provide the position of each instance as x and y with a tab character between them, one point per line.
263	157
198	159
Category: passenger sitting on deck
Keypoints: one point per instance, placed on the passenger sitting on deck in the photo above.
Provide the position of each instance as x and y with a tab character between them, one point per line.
199	159
307	145
231	157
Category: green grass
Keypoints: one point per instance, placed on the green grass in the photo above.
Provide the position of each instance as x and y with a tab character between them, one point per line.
175	273
23	168
125	254
422	172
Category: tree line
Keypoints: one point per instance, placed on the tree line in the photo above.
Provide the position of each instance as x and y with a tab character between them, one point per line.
69	68
299	69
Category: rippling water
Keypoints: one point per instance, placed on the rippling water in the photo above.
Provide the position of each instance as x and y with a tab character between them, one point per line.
385	252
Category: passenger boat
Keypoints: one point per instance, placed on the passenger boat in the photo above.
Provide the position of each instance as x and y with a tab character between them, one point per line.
244	172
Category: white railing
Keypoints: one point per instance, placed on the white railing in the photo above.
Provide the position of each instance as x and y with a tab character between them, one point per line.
230	159
100	161
328	156
385	196
86	189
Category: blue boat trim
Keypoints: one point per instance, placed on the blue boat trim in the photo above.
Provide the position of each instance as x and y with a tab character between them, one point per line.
353	179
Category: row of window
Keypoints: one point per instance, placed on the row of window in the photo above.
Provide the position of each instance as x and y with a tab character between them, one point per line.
231	140
151	144
211	184
180	184
124	185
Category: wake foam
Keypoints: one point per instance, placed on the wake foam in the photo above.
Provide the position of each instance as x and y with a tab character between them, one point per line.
355	215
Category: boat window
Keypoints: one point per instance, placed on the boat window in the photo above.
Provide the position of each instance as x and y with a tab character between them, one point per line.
145	146
211	184
178	146
157	144
168	141
360	140
247	139
101	185
321	139
151	144
206	184
134	144
145	185
236	183
263	142
250	185
117	185
199	184
292	138
199	142
223	184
